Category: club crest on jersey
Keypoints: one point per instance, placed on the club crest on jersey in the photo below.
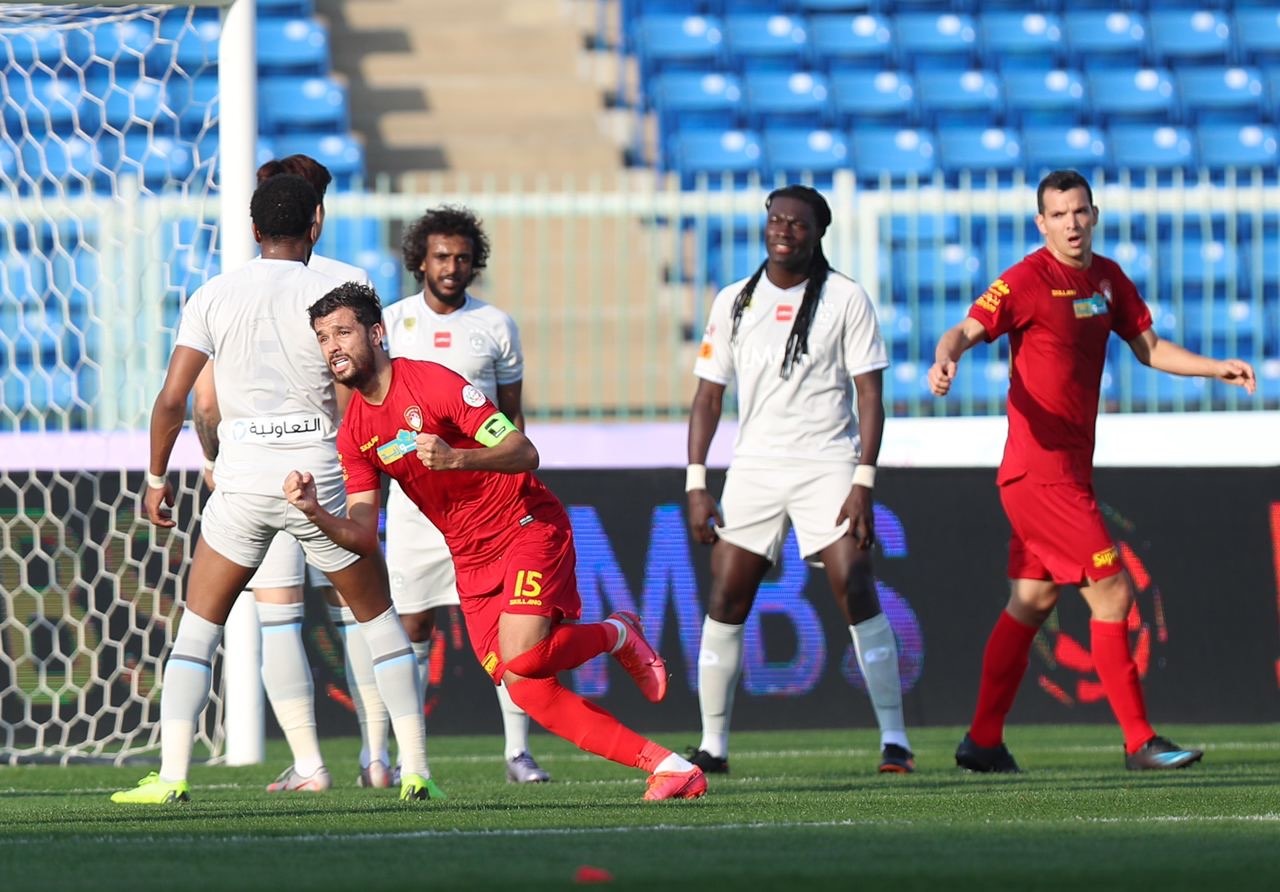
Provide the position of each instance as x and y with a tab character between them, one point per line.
443	339
477	344
1105	287
413	418
472	396
784	312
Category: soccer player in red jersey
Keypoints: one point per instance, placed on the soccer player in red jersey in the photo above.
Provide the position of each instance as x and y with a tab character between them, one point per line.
468	468
1058	306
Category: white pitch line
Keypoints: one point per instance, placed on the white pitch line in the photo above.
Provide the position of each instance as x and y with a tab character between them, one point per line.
328	839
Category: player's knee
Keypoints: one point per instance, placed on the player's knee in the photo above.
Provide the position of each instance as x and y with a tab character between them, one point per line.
418	626
532	663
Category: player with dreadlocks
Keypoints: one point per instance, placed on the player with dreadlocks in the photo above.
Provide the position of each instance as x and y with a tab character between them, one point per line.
803	342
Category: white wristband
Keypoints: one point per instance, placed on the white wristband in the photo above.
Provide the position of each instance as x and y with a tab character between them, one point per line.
695	477
209	463
865	475
156	481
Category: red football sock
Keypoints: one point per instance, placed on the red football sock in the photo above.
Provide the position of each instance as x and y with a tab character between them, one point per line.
1004	662
565	714
567	647
1119	676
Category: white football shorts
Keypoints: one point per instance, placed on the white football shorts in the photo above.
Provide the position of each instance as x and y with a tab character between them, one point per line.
241	527
418	560
758	502
285	566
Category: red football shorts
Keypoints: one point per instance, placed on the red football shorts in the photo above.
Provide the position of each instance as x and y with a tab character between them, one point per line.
538	577
1058	533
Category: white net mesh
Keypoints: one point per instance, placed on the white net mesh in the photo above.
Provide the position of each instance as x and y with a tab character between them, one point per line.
107	161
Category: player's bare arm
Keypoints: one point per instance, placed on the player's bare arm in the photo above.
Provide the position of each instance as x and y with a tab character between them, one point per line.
858	505
509	402
953	344
704	418
1167	356
357	532
205	416
512	454
167	417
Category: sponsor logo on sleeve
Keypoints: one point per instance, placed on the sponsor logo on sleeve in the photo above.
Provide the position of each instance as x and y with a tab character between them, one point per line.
705	351
413	417
443	339
472	396
990	299
1106	558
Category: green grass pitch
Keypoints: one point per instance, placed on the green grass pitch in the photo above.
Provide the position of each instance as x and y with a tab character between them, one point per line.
802	810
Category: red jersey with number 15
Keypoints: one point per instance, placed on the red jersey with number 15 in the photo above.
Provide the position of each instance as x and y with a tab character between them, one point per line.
479	512
1058	319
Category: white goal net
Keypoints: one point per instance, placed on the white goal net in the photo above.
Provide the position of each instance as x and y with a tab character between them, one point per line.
108	164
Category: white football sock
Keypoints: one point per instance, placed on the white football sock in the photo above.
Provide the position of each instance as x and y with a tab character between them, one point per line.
187	675
719	668
286	675
396	670
515	723
371	712
877	651
673	763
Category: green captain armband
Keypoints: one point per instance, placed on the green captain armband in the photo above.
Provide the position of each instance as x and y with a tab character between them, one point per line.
494	430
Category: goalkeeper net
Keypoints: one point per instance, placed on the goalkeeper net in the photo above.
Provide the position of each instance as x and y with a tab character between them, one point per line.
108	158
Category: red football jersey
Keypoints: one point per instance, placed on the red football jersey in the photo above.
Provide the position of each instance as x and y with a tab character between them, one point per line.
1058	319
477	511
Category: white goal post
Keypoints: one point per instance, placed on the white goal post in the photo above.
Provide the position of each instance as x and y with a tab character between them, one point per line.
126	169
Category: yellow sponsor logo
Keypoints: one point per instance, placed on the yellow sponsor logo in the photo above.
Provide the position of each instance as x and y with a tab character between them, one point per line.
490	662
1063	292
991	298
370	443
704	352
1106	558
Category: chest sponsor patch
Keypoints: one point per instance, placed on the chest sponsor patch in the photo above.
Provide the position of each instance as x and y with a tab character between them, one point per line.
785	313
402	445
1088	307
443	339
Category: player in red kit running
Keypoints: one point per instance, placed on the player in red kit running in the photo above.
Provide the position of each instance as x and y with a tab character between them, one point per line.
1059	305
467	467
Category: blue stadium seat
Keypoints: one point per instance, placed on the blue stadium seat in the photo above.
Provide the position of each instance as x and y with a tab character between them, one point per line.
1096	38
286	9
945	40
195	102
1158	390
343	154
155	160
40	103
1017	39
310	104
144	102
1198	264
192	47
61	164
761	42
1055	147
950	96
895	154
793	153
1133	94
384	271
673	42
688	100
845	42
1134	259
1179	36
879	96
1238	145
118	46
1057	96
1258	35
735	154
817	6
8	168
1217	94
978	150
797	98
292	47
1138	146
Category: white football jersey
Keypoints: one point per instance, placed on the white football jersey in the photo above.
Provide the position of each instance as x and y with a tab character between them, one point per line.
812	414
337	270
275	390
478	341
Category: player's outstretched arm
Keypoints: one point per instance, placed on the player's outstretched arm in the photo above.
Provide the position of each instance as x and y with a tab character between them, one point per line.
1158	353
704	418
953	344
357	532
